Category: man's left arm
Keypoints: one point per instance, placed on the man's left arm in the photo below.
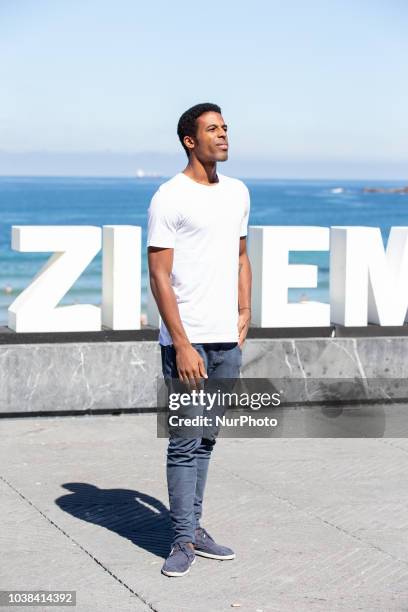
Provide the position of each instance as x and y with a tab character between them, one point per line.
244	291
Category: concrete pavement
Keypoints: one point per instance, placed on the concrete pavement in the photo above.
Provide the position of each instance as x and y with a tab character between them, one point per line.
317	524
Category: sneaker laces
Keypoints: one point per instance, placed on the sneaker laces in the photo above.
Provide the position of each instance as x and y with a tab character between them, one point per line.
205	534
179	546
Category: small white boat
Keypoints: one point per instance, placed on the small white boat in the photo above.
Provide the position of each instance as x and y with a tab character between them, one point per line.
337	190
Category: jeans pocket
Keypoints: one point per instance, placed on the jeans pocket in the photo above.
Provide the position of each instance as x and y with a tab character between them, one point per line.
168	358
237	351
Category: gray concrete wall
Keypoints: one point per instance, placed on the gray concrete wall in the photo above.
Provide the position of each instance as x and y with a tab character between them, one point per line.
109	375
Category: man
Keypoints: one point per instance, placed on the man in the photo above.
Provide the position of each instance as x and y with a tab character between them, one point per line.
200	277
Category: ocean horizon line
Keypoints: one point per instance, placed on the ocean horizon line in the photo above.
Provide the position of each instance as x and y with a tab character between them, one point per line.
144	179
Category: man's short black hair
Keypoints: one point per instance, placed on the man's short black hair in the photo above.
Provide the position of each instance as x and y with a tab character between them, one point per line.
187	123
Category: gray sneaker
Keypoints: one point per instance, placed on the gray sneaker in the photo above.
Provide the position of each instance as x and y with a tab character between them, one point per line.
179	561
206	547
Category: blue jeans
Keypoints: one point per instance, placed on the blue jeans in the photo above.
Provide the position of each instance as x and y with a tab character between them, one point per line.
188	458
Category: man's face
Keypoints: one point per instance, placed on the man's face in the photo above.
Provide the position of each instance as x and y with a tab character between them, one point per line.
211	140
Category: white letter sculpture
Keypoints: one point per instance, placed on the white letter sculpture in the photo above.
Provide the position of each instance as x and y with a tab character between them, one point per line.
121	276
73	247
366	283
268	248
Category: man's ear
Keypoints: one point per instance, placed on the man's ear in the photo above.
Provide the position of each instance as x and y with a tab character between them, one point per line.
189	142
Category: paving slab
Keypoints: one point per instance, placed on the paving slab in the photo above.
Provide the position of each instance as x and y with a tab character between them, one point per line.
37	554
317	524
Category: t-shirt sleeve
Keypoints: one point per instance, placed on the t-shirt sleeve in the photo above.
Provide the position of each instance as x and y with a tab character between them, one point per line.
245	216
162	222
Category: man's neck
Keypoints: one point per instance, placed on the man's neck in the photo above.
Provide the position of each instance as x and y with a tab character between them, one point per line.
205	174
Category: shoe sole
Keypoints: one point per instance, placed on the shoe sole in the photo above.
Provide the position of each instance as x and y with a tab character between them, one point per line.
201	553
176	574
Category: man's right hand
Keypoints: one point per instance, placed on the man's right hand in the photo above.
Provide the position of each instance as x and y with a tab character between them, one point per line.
190	365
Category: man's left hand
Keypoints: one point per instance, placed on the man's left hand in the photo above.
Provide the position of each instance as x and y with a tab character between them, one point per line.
244	319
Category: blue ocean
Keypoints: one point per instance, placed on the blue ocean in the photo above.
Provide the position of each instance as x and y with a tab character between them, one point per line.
107	201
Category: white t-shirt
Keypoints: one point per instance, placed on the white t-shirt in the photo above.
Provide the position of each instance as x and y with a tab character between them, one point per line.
203	224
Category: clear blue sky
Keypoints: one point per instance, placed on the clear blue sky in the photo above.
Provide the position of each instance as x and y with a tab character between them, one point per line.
297	79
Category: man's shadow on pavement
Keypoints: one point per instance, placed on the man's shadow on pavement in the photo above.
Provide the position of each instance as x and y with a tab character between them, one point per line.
143	519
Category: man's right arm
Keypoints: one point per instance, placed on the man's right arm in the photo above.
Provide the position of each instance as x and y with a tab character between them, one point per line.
190	364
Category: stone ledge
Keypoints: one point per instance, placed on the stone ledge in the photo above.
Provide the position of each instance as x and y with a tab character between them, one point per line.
102	374
8	336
